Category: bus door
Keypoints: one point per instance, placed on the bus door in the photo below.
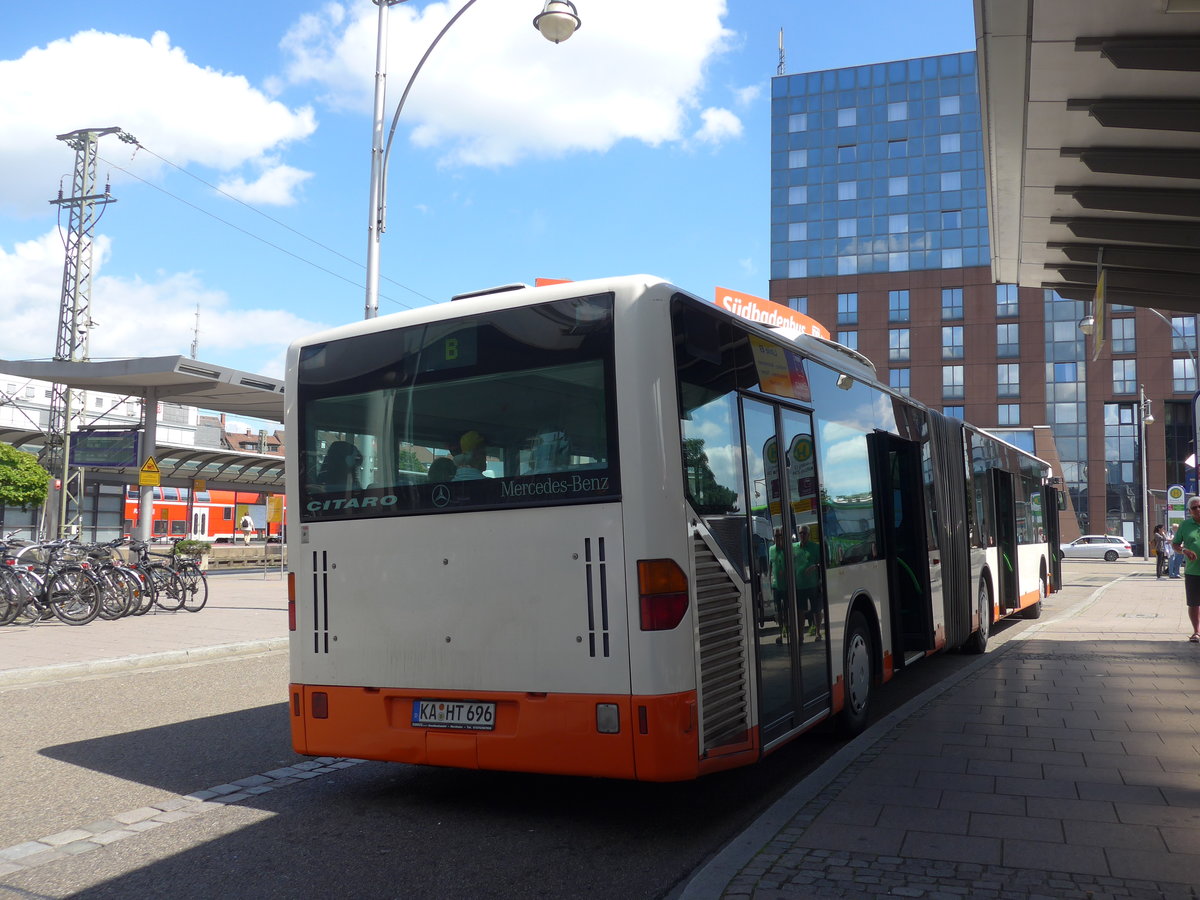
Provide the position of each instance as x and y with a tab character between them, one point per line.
792	664
896	465
1050	501
1007	581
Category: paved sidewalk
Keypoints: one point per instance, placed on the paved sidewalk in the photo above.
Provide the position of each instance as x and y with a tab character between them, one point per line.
1063	763
246	613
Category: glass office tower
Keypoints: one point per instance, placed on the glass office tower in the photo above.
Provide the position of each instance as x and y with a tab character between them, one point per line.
877	169
879	231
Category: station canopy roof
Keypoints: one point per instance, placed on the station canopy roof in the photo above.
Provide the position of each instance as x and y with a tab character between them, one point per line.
1091	114
178	379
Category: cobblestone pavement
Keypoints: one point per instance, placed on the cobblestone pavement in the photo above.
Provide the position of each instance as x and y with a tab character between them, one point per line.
1064	763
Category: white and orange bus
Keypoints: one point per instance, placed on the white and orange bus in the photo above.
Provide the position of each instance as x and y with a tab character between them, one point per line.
608	528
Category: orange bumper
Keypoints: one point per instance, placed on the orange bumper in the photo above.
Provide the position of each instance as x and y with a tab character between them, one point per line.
656	738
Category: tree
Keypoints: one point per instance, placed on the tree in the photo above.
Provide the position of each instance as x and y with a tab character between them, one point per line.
407	461
23	481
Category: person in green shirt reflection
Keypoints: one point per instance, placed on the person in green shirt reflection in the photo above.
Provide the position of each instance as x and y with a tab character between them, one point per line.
777	560
806	554
1187	542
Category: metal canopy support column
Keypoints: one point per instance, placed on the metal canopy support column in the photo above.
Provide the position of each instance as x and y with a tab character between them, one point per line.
149	446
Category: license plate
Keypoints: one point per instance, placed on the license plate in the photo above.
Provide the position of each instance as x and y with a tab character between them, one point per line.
454	714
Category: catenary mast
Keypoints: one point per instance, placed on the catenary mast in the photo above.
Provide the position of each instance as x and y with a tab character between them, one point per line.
74	321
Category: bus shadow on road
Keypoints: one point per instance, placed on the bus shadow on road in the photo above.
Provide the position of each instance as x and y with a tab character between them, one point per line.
386	830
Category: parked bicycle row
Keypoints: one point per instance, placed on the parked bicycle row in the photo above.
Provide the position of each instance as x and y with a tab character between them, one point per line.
78	582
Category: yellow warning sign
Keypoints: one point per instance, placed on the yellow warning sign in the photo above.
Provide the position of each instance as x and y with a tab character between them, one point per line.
148	475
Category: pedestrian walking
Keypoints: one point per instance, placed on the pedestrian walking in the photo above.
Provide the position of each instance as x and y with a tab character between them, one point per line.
1160	551
1187	542
247	527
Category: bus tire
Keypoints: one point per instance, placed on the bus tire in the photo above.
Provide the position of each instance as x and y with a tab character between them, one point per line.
858	676
1035	611
978	641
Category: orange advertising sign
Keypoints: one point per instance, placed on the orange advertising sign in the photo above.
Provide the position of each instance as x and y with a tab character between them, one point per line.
767	312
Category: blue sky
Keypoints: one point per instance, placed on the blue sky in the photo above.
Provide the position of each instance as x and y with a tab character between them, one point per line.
639	145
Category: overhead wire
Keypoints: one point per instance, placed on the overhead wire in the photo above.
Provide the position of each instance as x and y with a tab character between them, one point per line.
257	237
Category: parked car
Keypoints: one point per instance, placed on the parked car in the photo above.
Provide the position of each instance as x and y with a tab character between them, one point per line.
1098	546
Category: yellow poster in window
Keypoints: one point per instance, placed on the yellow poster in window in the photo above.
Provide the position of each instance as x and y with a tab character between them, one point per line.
780	371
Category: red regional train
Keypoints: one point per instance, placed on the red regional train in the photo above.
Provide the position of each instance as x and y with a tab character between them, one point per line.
214	515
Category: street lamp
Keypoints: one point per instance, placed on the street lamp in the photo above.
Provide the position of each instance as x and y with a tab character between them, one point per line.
1145	417
557	21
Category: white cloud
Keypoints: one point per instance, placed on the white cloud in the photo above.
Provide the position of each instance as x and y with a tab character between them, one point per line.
175	108
719	125
276	186
135	317
494	92
748	95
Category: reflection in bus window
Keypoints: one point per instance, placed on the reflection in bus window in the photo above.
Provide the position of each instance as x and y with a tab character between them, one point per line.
520	399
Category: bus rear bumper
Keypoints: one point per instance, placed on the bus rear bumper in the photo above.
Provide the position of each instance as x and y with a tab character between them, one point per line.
647	738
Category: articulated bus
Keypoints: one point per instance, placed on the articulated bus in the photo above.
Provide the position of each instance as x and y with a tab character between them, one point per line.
607	528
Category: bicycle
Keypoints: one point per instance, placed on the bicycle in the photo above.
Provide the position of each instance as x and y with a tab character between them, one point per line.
195	582
35	589
168	588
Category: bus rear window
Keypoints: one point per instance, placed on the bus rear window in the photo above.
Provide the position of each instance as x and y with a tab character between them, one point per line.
510	408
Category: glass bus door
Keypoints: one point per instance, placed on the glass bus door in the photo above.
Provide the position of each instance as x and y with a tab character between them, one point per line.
791	635
903	534
1004	495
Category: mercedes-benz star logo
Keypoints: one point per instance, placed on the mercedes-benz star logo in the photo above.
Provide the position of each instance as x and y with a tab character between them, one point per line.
441	495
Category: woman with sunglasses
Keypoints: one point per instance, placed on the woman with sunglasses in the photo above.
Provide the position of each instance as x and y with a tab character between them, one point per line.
1187	542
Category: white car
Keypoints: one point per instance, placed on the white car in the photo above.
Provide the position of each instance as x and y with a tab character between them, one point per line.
1098	546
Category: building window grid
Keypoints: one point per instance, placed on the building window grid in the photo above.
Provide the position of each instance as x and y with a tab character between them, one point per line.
899	379
847	313
1124	335
952	383
1183	376
898	344
898	306
952	342
1008	340
1183	334
958	114
952	303
1124	376
1008	414
1006	301
1008	380
799	304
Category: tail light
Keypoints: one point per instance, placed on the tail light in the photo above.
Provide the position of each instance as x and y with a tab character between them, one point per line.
662	594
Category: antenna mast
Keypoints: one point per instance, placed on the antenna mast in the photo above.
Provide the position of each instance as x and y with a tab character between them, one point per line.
196	333
782	70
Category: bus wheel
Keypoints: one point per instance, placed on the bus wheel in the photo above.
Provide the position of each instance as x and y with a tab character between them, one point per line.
977	642
857	676
1035	611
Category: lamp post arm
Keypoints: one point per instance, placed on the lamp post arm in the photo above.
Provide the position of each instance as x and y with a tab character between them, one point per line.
387	148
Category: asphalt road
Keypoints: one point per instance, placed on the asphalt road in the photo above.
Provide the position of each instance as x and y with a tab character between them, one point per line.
85	750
